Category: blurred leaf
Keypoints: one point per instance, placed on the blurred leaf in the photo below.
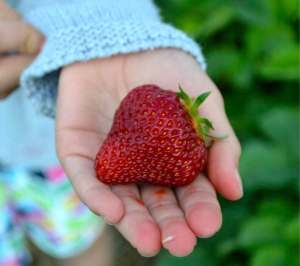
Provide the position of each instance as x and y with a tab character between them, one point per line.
198	257
273	255
291	231
281	65
217	20
261	41
224	62
291	9
282	126
266	166
288	9
256	12
278	207
266	12
227	246
228	65
259	231
233	215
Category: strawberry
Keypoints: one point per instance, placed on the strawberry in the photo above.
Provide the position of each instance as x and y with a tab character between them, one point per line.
157	137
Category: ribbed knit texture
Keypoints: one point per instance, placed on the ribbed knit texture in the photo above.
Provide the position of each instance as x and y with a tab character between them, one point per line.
78	30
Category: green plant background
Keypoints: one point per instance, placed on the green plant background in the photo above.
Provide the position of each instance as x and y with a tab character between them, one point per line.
252	52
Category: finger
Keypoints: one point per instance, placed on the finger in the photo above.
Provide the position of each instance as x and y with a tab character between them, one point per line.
11	68
137	225
223	168
6	12
224	154
177	237
201	207
20	37
96	195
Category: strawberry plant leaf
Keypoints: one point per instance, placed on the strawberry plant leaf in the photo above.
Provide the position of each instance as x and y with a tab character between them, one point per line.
207	123
186	98
199	100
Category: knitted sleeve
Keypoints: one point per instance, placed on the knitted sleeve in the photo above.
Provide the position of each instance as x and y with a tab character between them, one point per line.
79	30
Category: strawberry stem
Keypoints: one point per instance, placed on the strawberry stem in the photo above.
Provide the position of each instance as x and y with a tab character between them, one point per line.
202	124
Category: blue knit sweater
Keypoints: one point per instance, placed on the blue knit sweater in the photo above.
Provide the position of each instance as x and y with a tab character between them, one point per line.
78	30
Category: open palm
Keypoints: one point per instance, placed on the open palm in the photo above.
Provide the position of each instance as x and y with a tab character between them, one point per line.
149	217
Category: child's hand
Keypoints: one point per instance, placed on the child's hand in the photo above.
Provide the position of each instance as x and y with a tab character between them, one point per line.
89	94
19	42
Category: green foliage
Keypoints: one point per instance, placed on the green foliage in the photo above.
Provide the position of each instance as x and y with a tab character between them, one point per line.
265	165
273	255
252	51
198	257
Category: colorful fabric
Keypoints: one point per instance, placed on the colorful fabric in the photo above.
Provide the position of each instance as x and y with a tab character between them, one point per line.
27	138
43	207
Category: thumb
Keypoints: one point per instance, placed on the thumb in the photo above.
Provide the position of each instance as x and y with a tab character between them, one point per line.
17	36
32	41
7	12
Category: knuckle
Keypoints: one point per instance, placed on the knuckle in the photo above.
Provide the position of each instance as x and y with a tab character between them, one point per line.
158	205
197	193
171	219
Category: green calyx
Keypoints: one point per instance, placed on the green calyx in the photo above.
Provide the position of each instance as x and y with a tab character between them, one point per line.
202	125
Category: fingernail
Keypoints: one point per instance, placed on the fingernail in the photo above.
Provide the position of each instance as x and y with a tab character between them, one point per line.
147	255
207	235
167	239
239	183
34	43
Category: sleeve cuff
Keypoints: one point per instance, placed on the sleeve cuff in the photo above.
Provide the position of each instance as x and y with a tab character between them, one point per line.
96	29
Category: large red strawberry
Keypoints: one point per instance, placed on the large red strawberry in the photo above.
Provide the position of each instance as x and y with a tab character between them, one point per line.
157	137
